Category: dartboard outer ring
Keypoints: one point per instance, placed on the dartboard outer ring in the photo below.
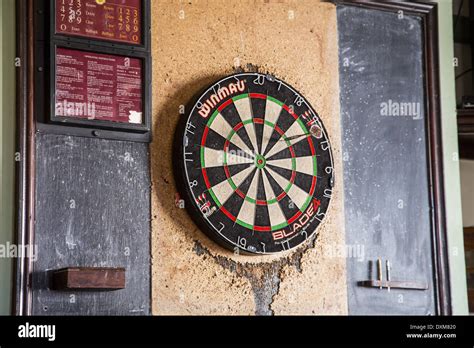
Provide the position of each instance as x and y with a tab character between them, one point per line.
285	228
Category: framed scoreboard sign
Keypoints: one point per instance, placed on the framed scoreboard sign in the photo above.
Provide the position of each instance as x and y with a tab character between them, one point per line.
255	164
120	21
93	68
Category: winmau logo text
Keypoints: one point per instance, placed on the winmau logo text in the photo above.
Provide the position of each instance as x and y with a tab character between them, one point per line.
37	331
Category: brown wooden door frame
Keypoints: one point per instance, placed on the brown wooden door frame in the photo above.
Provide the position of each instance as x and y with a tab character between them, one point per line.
25	168
25	186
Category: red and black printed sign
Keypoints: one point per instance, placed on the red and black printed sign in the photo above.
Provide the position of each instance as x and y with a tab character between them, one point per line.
98	86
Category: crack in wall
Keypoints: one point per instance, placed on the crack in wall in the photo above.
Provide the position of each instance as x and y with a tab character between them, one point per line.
265	278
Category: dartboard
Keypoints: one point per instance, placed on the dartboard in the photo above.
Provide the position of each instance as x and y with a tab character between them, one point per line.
255	164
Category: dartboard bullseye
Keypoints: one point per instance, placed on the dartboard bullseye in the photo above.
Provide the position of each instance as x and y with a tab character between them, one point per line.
255	164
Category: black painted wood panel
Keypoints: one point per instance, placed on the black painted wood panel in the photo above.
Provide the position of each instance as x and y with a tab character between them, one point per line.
386	180
92	210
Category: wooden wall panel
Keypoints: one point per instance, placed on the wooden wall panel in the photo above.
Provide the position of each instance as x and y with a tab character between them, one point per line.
92	210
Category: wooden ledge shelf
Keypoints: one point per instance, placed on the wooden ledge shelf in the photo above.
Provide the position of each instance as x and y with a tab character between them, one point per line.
89	278
407	285
466	121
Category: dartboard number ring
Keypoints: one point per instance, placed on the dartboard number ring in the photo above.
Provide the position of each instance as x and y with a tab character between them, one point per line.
256	164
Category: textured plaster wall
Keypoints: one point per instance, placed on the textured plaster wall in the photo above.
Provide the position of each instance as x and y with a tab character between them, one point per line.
194	43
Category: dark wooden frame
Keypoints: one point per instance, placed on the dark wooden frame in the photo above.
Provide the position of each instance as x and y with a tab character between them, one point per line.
469	246
466	133
25	168
466	122
428	12
26	146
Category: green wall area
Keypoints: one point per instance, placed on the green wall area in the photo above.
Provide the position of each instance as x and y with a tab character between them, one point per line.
451	160
7	146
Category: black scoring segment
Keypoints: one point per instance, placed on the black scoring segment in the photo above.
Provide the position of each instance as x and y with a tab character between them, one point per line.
231	115
258	105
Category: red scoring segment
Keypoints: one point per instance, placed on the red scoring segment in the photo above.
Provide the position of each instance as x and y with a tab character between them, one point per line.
257	96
